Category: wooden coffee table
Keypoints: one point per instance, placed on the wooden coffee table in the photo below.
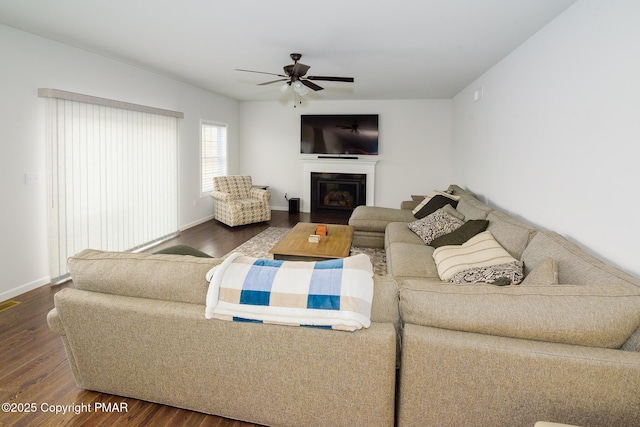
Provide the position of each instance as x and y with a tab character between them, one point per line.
295	246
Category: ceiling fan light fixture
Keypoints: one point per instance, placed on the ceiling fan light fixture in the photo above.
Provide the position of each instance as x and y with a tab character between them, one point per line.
300	88
284	88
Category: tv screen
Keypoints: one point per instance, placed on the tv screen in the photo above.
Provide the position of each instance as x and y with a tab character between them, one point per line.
339	134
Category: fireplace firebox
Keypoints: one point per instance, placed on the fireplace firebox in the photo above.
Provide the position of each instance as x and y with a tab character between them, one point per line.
340	191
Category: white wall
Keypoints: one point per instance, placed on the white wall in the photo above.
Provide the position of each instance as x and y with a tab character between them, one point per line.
30	62
414	145
556	137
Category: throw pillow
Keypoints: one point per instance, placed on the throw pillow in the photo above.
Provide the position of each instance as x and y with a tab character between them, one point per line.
479	251
183	250
462	234
546	273
435	225
512	271
429	205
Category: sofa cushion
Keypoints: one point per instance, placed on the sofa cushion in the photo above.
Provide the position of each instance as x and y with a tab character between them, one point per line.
376	218
398	232
480	251
633	343
512	271
411	260
546	273
472	208
462	234
590	315
156	276
435	225
431	204
574	265
513	235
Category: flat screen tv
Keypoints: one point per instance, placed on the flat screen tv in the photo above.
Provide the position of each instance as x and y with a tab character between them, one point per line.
337	134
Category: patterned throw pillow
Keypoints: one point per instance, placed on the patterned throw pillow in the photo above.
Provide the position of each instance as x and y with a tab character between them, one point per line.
481	250
513	271
435	225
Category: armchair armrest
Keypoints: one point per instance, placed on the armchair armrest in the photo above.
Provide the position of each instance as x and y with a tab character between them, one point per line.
219	195
259	193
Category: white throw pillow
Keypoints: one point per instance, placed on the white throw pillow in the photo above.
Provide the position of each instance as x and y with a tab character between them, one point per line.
430	196
480	251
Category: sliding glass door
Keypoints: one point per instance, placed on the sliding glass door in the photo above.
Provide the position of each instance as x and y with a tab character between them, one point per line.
112	176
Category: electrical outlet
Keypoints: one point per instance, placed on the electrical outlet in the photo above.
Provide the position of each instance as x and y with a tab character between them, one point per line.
31	178
478	94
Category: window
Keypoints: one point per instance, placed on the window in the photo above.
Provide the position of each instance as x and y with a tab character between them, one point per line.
112	175
214	154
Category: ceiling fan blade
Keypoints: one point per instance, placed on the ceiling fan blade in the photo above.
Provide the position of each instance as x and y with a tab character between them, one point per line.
311	85
261	72
273	81
331	79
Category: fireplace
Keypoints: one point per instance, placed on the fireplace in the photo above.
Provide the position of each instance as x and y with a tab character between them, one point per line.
338	166
339	191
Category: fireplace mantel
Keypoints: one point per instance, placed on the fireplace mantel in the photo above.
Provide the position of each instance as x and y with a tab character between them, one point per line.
337	166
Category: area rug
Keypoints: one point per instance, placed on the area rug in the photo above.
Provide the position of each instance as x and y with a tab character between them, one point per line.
260	245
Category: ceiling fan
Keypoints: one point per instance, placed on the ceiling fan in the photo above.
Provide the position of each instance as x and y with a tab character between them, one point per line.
353	128
294	76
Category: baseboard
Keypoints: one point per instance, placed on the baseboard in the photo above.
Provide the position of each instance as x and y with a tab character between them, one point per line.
210	217
11	293
198	222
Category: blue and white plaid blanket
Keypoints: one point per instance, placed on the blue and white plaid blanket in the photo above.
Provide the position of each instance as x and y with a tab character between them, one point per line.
335	294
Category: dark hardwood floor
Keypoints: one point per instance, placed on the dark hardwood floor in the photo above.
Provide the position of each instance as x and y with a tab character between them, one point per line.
35	375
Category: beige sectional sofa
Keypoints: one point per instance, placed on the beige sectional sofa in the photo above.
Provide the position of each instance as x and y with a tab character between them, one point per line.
466	355
134	325
480	354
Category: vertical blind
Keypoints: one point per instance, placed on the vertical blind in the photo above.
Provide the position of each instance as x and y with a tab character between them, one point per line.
214	153
112	175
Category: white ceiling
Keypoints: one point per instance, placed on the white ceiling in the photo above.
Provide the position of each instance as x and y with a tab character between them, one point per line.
400	49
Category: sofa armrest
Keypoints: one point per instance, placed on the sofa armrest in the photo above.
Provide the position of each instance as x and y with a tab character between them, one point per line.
384	307
54	321
591	315
409	204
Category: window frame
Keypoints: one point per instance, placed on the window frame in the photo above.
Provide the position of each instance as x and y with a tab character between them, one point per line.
206	191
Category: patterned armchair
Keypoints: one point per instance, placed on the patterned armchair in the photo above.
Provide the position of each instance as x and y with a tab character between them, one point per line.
236	202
